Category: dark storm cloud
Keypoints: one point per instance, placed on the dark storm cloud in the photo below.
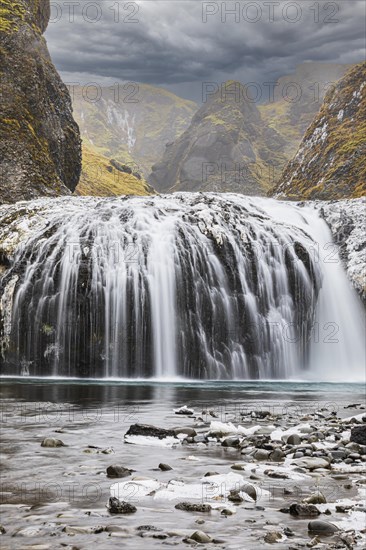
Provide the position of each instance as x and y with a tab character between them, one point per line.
169	43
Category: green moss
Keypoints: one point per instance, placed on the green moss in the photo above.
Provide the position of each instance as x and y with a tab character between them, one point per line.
12	14
100	178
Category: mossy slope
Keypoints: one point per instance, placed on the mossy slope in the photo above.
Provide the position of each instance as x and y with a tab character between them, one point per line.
330	162
100	177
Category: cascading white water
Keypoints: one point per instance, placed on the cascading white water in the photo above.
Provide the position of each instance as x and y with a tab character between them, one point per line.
194	285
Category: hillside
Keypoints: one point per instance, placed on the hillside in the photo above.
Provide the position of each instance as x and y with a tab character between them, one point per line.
105	177
130	122
40	151
227	147
297	98
330	162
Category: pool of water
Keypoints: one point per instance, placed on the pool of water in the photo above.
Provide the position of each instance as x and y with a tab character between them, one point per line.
49	489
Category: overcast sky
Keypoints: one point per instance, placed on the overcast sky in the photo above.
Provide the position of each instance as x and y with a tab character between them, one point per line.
178	44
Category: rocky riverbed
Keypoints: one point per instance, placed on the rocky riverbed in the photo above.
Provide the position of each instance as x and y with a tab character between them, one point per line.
240	473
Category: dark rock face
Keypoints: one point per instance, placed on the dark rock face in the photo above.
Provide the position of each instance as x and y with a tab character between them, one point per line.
40	147
330	161
227	147
358	435
150	431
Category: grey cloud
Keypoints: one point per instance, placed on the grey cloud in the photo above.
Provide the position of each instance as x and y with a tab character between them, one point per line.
170	46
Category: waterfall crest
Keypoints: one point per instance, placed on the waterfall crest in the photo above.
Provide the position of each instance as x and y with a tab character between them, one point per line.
203	286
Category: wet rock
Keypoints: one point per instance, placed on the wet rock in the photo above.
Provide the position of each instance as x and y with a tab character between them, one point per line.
288	532
277	455
338	454
340	509
164	467
322	527
118	471
238	466
261	454
293	439
250	490
150	431
272	537
231	441
304	510
2	530
147	528
78	530
200	536
234	496
209	474
275	475
117	506
311	463
226	512
184	410
193	507
316	498
52	442
358	435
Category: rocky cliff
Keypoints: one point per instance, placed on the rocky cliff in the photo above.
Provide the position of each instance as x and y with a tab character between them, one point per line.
296	98
227	147
330	162
40	148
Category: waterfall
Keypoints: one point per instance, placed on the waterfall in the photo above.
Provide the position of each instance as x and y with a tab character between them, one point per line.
202	286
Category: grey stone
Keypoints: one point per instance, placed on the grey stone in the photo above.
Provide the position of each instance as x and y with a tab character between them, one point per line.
293	439
358	435
193	507
200	536
322	527
115	471
117	506
52	442
304	510
164	467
